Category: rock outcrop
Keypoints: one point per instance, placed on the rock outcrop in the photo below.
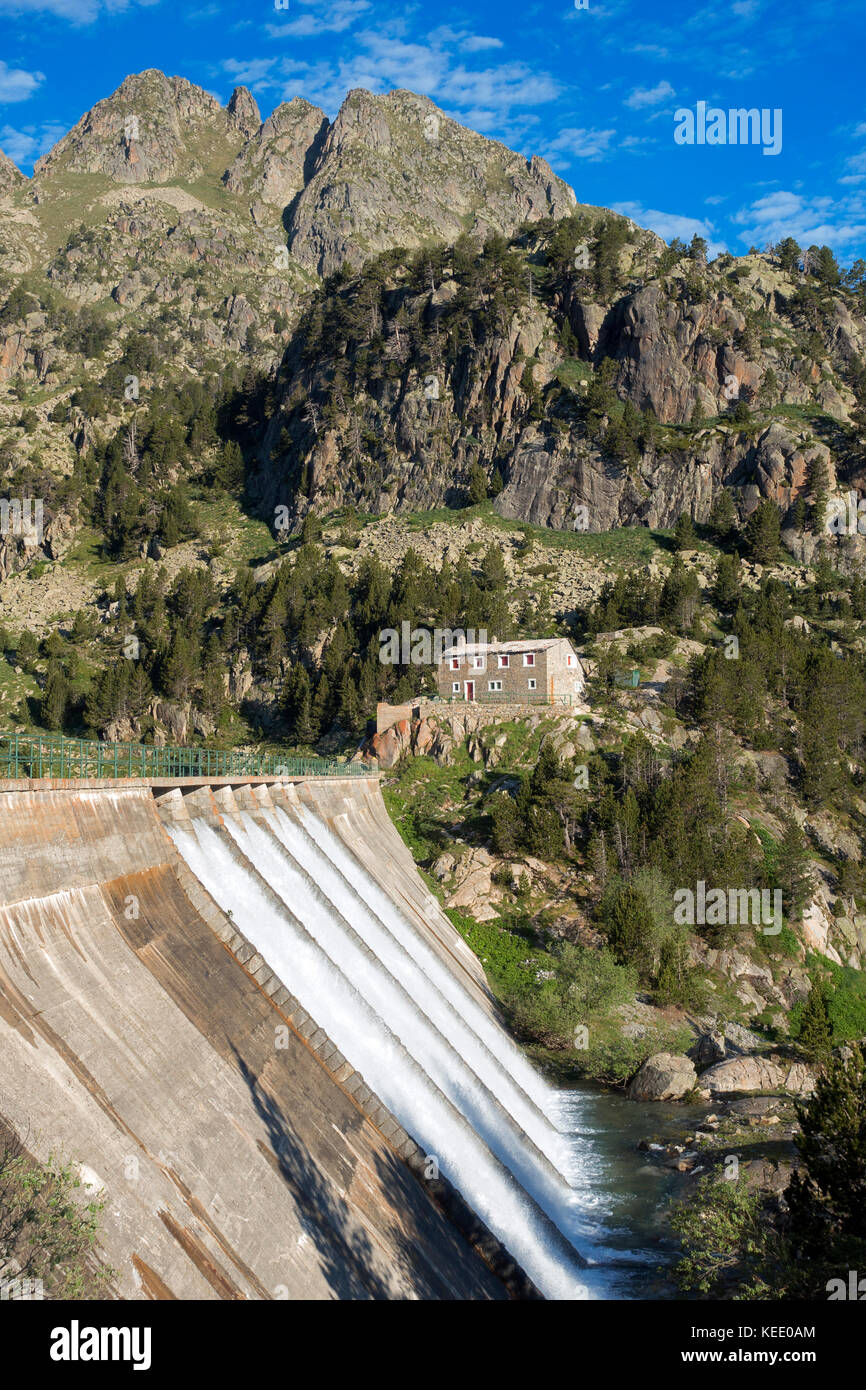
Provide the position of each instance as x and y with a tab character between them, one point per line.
738	1074
243	113
664	1076
394	170
152	129
276	162
10	175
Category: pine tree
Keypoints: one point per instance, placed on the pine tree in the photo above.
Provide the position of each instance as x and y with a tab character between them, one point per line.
826	1198
627	922
684	532
819	482
793	868
139	690
179	668
789	254
231	469
815	1034
349	705
723	515
672	980
726	582
321	711
212	697
55	698
298	704
763	530
477	484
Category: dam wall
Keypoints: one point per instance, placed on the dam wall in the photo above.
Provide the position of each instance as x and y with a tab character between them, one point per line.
239	1152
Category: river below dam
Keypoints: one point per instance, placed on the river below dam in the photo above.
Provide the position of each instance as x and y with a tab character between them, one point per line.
554	1173
624	1192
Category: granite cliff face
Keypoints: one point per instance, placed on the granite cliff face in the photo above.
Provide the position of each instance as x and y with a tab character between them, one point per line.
586	399
152	129
10	176
395	171
275	162
594	376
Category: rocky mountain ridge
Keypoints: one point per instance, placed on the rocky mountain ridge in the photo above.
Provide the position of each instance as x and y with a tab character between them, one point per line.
475	322
586	400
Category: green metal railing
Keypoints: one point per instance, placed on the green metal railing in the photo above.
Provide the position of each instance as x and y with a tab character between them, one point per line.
35	755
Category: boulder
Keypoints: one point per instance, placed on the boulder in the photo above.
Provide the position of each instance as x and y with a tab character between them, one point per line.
664	1076
708	1049
443	866
389	746
738	1074
423	737
473	886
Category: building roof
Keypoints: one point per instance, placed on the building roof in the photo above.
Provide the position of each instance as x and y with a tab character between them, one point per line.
483	648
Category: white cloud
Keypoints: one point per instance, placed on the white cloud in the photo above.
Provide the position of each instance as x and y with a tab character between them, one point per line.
649	96
856	166
824	221
578	143
254	73
16	84
76	11
477	43
481	97
501	88
27	144
635	142
333	17
671	224
652	50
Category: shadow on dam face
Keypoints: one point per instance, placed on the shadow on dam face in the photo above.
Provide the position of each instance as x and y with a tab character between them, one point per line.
239	1152
245	1015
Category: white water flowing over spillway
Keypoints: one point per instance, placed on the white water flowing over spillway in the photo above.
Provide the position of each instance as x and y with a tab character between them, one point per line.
409	1023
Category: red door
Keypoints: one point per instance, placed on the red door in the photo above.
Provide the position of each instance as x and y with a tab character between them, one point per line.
469	687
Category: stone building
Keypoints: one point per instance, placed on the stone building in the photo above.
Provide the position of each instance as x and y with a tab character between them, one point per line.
543	670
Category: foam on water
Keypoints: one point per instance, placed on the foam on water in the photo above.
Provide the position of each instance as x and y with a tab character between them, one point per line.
340	1006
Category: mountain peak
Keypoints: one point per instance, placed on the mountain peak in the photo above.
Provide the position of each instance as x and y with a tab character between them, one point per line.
276	163
243	112
10	175
396	170
151	129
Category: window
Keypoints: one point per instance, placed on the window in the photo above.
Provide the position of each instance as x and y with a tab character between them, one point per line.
455	687
455	663
529	658
570	660
494	685
478	663
503	662
532	683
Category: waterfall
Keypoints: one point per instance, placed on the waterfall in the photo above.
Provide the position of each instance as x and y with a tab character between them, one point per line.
427	1047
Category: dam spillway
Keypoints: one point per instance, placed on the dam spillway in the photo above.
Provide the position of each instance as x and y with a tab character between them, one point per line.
243	1011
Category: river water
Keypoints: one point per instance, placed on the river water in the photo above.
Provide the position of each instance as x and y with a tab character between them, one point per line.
554	1172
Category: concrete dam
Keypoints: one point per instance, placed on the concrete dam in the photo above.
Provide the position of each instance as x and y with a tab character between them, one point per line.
241	1011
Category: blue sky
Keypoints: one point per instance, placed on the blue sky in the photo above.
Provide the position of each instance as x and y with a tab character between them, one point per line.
594	89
